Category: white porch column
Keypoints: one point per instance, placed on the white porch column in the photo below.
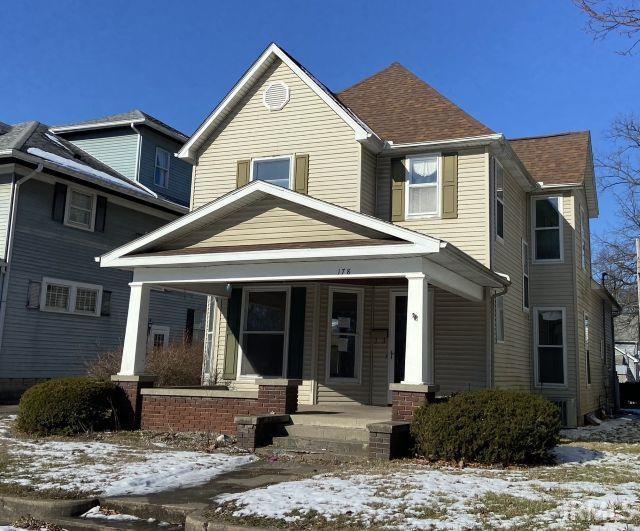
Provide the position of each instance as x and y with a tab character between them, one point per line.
418	354
135	339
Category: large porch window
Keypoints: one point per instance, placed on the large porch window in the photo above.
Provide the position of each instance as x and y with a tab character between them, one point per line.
345	323
264	332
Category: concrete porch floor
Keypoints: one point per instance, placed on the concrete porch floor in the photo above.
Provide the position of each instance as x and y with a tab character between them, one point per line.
340	415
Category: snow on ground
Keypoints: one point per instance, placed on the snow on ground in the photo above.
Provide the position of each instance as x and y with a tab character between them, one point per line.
108	469
624	429
429	497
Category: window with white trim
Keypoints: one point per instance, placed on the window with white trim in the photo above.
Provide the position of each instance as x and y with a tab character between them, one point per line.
583	239
345	332
158	337
547	224
499	303
422	185
80	211
587	350
498	180
66	296
163	165
264	332
525	276
274	170
550	346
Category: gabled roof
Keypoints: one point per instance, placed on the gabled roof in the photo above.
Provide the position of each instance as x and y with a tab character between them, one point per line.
125	118
34	142
401	108
273	52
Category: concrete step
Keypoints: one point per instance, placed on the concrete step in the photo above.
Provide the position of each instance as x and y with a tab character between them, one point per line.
328	432
343	447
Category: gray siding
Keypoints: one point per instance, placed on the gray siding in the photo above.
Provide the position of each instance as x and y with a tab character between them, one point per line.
179	189
39	344
117	148
5	205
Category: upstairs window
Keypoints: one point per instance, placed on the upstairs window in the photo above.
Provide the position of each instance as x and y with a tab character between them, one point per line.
423	185
66	296
498	179
547	225
274	170
583	239
80	209
163	162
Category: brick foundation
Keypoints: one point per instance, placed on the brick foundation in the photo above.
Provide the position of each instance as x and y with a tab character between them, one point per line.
131	407
259	430
407	398
389	440
205	410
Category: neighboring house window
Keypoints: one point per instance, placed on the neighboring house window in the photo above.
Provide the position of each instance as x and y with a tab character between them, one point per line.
66	296
500	319
264	332
583	239
550	346
163	163
499	190
80	211
547	225
423	185
274	170
587	349
525	275
345	322
158	337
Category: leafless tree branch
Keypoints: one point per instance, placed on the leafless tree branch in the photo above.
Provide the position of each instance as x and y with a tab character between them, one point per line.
606	17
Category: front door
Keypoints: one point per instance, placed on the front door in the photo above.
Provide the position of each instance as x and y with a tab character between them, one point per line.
397	336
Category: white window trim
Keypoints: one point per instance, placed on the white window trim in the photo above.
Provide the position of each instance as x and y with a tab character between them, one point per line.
537	382
535	258
587	350
358	361
275	157
168	168
583	239
243	324
497	237
525	245
437	186
157	329
67	208
504	335
73	288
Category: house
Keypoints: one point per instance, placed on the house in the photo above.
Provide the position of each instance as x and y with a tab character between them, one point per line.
371	247
59	207
627	361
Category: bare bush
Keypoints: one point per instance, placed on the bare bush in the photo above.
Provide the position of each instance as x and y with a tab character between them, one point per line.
177	364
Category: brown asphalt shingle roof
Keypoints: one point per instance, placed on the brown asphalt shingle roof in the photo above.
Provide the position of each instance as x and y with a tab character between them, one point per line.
556	159
402	108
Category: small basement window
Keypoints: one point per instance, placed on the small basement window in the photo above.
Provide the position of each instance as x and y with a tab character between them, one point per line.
66	296
80	211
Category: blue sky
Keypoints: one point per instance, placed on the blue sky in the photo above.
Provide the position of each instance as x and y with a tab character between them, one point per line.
522	68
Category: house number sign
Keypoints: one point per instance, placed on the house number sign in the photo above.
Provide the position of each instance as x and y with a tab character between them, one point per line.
344	271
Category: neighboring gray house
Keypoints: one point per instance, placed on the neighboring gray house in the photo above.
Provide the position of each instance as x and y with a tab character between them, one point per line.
60	207
627	361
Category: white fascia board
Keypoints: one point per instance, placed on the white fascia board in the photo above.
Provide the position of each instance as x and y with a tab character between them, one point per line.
453	282
430	243
451	143
362	133
360	251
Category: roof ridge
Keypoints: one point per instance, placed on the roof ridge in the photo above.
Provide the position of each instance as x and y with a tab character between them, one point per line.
551	135
363	80
24	135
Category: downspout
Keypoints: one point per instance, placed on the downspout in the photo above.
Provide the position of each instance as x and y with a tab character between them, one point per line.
13	209
133	126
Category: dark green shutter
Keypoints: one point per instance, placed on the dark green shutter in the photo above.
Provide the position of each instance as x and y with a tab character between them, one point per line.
242	173
296	332
398	178
101	213
450	185
59	202
301	174
234	309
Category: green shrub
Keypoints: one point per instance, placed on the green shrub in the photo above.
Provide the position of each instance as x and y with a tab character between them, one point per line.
489	427
66	406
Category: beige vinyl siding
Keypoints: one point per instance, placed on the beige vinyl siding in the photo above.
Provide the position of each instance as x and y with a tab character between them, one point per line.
368	184
5	207
306	125
513	362
470	230
271	220
553	284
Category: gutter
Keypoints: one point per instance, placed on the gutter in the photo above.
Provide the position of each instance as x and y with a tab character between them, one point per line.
119	123
13	209
469	141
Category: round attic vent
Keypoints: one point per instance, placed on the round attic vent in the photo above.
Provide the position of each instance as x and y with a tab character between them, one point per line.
276	96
